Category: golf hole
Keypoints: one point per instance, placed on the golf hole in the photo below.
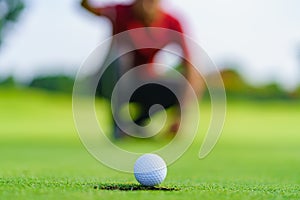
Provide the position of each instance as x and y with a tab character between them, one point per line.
132	187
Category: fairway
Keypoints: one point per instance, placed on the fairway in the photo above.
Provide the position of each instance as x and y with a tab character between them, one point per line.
257	157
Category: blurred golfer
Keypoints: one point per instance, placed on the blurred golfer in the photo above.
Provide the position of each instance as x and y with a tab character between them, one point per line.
139	14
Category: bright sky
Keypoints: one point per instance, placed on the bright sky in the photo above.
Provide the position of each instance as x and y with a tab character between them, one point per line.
262	37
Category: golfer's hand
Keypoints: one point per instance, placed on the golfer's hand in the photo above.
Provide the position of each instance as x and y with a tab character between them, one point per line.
86	4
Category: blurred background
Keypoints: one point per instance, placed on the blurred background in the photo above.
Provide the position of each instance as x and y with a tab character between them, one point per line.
253	42
255	45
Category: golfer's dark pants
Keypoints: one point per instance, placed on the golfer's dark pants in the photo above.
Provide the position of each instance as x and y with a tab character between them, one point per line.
145	96
150	94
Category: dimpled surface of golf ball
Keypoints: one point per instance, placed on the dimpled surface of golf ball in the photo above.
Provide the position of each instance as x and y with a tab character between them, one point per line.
150	170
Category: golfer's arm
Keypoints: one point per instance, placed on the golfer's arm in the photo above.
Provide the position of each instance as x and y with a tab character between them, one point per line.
195	80
192	74
86	4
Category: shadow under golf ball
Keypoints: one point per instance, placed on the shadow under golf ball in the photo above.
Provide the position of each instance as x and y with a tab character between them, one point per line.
132	187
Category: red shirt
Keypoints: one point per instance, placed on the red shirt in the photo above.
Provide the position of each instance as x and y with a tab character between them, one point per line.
123	19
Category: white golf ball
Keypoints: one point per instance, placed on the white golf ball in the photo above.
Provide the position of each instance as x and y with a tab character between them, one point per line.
150	170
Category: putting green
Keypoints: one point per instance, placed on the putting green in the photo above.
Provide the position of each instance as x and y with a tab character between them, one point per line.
257	156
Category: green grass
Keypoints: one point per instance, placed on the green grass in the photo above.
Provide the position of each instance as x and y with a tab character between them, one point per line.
257	157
